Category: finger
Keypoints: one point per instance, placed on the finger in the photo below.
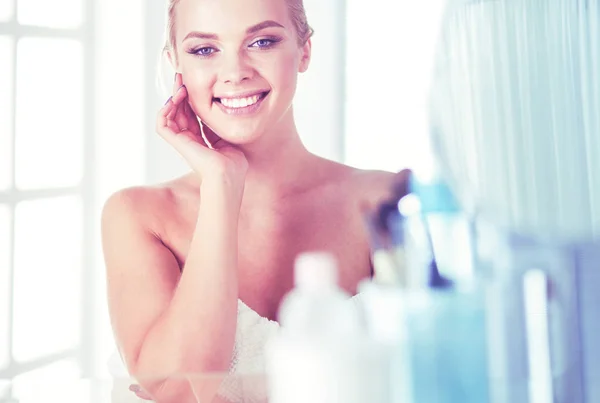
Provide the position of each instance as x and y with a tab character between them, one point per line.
169	130
174	127
196	125
175	99
166	111
172	112
143	395
176	102
169	110
177	136
185	121
178	82
182	118
139	392
164	119
179	95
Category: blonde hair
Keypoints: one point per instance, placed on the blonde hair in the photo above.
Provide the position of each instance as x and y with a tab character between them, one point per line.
297	14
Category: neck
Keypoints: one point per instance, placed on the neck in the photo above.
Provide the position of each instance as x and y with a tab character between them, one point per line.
278	164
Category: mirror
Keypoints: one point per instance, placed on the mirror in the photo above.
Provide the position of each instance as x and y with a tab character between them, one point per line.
515	113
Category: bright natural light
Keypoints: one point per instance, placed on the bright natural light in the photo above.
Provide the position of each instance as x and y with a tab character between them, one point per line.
6	109
6	10
4	283
49	113
389	62
47	317
53	382
54	14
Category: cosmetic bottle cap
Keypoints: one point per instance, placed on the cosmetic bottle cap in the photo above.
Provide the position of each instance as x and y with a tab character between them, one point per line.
315	270
434	196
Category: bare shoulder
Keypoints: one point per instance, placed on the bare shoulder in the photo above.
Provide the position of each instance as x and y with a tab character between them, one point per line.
372	187
364	187
373	179
143	206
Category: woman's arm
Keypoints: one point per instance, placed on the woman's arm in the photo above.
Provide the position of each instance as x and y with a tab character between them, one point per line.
169	323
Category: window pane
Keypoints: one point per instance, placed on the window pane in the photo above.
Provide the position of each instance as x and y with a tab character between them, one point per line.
398	136
55	13
47	277
6	109
49	140
5	231
5	390
56	382
6	9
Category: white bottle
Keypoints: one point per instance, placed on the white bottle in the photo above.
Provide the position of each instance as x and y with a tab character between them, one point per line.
317	307
321	354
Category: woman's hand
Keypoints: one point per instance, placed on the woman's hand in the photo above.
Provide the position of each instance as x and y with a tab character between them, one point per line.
139	392
209	156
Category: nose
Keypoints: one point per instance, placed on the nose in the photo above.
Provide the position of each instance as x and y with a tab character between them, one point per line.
236	68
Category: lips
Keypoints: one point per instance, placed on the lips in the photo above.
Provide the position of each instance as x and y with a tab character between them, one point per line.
243	104
239	102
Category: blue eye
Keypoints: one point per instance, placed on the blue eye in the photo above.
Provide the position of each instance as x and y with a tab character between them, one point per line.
264	43
206	51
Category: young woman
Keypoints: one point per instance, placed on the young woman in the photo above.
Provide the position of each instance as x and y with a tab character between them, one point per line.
183	255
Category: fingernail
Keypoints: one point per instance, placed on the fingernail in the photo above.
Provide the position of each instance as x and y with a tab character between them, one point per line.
175	78
134	388
179	89
168	100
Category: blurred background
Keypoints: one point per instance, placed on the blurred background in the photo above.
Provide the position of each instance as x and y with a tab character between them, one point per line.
78	99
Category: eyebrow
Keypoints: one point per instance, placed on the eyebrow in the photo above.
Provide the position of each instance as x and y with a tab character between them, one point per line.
251	30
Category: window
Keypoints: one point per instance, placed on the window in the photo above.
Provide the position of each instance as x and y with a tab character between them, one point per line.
388	64
61	14
56	382
6	10
5	292
45	184
6	108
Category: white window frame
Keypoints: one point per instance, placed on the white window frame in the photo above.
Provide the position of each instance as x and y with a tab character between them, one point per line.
83	353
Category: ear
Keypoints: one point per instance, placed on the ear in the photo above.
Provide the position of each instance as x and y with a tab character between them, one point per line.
305	53
172	57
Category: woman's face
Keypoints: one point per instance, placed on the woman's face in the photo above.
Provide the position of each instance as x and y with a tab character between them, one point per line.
239	60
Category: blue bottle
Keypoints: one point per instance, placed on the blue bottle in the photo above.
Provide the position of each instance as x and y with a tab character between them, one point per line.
444	314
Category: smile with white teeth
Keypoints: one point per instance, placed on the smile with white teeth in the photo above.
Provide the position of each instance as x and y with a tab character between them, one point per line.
235	103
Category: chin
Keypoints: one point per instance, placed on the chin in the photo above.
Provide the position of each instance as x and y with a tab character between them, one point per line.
241	135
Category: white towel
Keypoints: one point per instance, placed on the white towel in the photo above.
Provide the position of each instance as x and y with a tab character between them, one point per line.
246	381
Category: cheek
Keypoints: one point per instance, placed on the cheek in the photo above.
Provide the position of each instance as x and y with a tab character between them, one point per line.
198	84
284	73
195	79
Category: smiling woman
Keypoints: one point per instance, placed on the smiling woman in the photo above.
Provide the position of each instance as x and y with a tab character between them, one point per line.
194	264
258	65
